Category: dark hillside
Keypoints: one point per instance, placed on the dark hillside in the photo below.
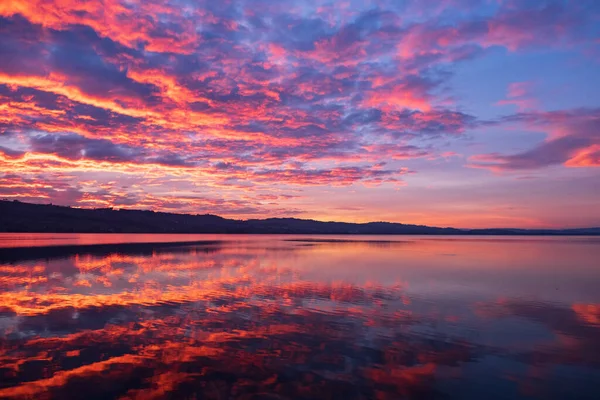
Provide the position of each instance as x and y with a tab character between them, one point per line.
17	216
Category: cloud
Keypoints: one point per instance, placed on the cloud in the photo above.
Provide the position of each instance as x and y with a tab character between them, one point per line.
76	147
341	176
219	96
573	140
520	95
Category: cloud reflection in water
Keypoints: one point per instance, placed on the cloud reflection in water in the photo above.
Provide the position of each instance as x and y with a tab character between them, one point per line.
253	320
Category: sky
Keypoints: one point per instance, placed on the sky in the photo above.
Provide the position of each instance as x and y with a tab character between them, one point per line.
465	113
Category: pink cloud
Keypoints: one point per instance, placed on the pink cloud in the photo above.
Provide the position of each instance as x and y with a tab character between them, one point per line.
520	95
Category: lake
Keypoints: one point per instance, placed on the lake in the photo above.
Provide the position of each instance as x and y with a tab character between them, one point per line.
299	317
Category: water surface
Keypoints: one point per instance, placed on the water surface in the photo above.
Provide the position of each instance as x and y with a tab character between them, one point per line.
301	317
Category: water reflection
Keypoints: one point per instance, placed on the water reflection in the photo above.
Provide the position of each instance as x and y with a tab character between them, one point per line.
305	319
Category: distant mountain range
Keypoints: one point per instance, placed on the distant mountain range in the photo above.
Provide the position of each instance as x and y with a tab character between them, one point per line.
16	216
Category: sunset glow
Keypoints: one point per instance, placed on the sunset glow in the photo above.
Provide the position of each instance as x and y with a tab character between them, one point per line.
465	113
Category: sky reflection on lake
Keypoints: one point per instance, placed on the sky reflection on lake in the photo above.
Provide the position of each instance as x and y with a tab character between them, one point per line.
281	317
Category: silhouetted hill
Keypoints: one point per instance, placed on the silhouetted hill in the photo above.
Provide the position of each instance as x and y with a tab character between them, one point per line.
16	216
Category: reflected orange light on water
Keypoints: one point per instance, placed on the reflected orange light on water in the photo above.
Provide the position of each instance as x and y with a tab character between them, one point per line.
304	318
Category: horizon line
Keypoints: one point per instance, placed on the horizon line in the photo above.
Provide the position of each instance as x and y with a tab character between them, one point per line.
113	208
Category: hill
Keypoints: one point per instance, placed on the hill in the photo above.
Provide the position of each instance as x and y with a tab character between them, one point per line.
16	216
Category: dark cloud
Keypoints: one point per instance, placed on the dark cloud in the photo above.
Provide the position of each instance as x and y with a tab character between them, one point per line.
73	55
22	49
76	147
11	152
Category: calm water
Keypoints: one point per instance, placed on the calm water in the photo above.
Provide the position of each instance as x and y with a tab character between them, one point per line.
302	317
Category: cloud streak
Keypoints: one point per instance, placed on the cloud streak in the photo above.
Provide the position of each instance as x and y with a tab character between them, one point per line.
573	139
